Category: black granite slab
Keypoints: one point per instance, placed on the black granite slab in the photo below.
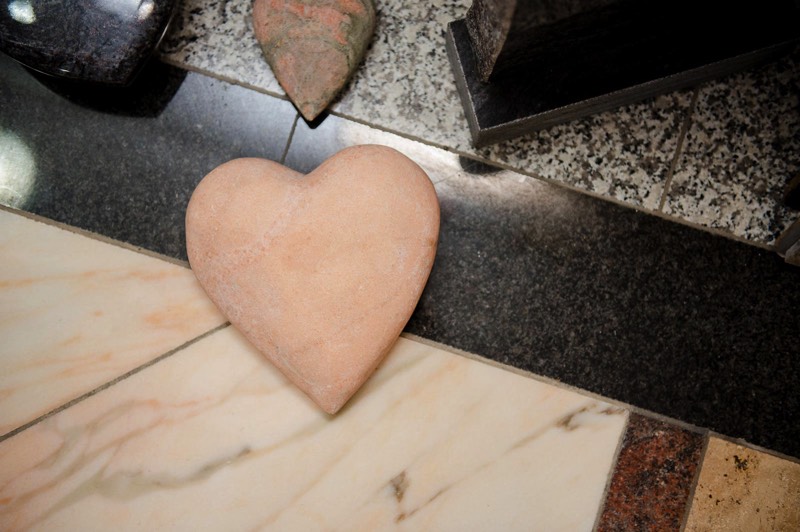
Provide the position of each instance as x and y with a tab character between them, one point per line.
611	55
628	305
124	162
98	40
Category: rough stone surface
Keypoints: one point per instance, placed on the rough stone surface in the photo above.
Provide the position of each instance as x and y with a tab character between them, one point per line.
651	484
745	489
320	272
313	46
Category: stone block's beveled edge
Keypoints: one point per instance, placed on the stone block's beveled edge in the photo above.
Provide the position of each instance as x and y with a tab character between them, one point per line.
480	119
461	81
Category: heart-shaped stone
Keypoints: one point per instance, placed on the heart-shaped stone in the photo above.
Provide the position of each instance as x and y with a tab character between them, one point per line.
320	272
313	46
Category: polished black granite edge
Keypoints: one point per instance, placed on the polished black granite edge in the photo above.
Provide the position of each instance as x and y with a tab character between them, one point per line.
123	162
97	40
624	304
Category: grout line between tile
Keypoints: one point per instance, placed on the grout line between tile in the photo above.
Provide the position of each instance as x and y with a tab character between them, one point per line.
744	443
673	219
289	138
518	371
611	472
233	81
695	481
94	236
112	382
687	122
500	165
479	358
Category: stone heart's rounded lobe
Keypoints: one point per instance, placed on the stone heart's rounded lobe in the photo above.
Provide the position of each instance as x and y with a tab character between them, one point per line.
319	272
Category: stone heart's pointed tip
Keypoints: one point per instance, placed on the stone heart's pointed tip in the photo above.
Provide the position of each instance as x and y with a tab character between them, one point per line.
331	400
314	47
332	409
311	111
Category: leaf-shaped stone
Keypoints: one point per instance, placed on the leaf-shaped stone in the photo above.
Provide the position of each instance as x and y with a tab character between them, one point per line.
313	46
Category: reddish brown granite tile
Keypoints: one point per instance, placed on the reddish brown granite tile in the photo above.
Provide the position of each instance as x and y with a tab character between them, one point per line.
650	486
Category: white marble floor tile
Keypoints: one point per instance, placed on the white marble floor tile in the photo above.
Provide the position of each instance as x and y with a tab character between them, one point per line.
76	312
214	438
740	152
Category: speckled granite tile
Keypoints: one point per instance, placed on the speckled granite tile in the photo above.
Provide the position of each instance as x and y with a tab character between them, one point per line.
624	154
406	85
744	489
741	150
652	480
124	164
217	38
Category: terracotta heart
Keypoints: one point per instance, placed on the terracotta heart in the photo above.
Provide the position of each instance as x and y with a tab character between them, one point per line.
313	46
319	272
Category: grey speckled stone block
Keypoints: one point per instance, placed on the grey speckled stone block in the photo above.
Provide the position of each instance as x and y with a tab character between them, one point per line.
742	149
729	176
217	38
623	154
406	85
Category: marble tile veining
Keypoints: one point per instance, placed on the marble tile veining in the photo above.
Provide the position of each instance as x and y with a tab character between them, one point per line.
744	489
215	438
653	477
742	149
406	85
75	313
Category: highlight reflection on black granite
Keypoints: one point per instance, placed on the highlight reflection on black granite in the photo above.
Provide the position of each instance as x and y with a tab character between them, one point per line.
611	300
148	95
99	40
129	177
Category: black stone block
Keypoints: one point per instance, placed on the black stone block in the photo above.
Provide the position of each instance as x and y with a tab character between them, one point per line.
648	54
93	40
